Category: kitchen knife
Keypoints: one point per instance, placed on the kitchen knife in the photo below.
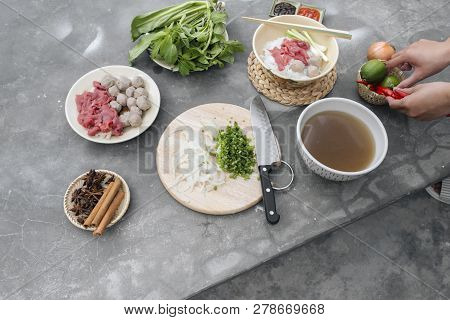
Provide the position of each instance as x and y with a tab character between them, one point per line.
267	153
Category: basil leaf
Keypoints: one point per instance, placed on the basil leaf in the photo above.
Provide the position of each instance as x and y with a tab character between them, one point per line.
203	37
203	60
226	56
170	55
218	17
142	45
217	38
219	28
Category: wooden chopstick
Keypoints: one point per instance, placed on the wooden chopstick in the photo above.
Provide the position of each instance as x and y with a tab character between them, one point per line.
331	32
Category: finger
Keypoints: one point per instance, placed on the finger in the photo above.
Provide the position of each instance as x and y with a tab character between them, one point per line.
398	53
401	110
406	67
406	90
396	104
413	79
394	62
424	118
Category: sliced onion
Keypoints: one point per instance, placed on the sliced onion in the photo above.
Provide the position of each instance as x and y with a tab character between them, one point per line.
206	174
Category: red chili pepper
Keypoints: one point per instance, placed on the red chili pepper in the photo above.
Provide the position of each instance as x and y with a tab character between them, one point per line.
396	96
379	90
388	92
400	94
384	91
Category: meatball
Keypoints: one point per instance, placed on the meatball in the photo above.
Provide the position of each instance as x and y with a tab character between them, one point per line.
114	91
115	105
139	92
313	71
108	81
130	91
131	102
134	119
143	103
297	66
137	82
122	99
124	118
315	60
135	109
123	83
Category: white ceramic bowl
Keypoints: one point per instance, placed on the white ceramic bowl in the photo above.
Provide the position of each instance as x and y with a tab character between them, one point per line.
85	84
266	33
357	110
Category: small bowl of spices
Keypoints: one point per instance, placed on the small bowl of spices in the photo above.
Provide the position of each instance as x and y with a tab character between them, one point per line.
280	8
286	7
96	200
311	12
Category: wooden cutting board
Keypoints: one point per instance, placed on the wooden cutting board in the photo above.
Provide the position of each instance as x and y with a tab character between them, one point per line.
236	194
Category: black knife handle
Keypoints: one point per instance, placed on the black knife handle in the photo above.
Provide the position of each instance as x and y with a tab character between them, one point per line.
268	195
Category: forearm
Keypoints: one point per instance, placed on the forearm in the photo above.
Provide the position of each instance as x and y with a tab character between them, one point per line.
447	97
447	54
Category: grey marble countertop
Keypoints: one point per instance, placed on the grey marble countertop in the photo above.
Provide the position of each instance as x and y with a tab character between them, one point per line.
161	249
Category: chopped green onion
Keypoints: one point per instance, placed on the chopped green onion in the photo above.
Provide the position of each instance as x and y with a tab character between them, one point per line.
235	154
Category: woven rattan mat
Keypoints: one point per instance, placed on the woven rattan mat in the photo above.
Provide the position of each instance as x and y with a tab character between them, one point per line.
287	92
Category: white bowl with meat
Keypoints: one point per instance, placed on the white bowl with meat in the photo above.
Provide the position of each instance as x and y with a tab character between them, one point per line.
290	54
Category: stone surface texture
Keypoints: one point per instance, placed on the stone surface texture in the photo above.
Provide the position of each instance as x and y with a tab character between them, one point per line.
161	249
400	252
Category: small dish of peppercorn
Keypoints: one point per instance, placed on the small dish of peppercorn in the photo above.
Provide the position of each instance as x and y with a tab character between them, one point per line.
280	8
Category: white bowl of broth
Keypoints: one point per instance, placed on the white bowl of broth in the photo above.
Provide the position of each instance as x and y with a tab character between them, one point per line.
340	139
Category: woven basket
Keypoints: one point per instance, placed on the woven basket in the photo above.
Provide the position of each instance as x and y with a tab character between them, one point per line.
371	96
287	92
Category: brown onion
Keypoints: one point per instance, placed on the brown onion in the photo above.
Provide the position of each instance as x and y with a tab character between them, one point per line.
380	50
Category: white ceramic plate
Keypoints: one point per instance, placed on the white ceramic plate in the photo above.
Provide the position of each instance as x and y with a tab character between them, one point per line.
85	84
78	182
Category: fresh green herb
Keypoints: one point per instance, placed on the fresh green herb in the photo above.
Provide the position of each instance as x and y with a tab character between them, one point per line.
190	36
234	153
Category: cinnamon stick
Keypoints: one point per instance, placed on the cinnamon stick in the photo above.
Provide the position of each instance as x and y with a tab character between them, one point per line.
105	205
94	211
109	214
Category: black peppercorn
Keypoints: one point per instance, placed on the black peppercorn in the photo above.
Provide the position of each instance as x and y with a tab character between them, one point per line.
283	8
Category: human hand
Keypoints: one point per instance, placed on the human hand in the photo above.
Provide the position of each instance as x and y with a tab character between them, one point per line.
425	101
425	56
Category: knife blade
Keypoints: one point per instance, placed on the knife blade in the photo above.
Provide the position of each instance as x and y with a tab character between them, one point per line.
267	154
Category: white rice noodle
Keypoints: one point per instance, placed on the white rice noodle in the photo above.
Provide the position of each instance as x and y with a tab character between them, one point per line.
315	60
195	166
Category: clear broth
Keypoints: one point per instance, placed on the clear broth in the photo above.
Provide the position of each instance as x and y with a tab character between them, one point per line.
339	141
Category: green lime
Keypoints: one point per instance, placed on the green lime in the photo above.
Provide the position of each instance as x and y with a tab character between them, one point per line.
390	81
373	71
